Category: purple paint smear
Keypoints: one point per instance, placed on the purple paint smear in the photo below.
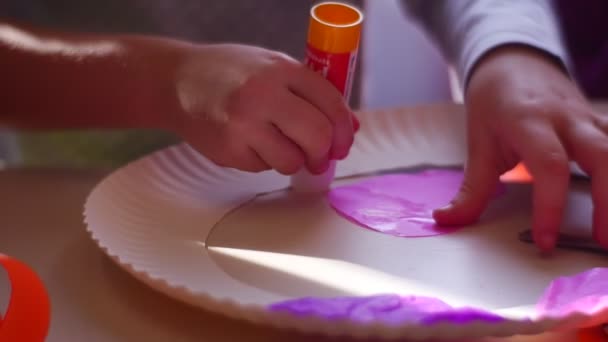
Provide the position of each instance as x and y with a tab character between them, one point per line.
586	292
400	204
386	309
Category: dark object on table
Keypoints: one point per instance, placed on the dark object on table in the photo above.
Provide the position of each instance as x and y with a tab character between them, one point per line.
570	242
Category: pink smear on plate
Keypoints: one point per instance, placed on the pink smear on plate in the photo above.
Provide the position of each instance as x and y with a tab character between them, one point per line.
388	309
586	292
399	204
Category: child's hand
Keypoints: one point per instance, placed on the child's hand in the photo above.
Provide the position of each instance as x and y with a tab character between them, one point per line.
241	106
254	109
522	107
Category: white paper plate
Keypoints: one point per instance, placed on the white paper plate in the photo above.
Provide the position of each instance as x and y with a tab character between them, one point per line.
234	242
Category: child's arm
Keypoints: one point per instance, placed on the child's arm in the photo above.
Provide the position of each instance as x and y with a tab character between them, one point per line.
242	106
522	106
67	80
466	30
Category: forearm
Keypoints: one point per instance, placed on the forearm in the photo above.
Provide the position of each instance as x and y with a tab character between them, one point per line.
466	30
58	80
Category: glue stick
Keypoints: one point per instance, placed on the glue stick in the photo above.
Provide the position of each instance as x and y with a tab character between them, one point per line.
331	50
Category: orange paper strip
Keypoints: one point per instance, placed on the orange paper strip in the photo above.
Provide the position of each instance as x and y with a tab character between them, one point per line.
28	316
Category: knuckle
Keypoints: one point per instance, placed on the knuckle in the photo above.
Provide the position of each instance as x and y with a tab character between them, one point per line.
280	66
236	131
600	120
574	119
250	96
242	93
236	102
540	108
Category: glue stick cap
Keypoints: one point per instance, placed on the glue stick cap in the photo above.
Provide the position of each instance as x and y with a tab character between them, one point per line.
334	27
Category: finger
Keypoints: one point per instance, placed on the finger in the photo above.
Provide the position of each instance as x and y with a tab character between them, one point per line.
248	160
599	194
542	152
307	127
313	88
481	178
589	147
240	157
276	150
356	123
601	121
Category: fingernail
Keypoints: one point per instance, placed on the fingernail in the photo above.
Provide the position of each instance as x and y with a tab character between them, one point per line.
445	207
437	213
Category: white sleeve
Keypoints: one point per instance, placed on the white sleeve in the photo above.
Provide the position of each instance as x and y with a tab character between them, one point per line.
466	29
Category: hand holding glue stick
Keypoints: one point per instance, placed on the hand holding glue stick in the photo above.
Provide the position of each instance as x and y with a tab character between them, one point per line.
332	47
241	106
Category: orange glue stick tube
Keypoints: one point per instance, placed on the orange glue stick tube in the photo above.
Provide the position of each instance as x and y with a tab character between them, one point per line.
332	46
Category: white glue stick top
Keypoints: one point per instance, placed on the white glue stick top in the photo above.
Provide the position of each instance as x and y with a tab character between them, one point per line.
304	181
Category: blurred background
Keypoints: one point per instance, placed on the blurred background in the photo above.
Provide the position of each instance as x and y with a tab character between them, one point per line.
398	63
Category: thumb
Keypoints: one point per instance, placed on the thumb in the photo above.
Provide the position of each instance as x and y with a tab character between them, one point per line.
478	187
